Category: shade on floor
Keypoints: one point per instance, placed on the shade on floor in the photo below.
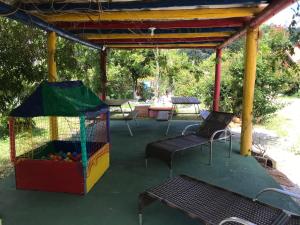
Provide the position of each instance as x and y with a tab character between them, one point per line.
113	201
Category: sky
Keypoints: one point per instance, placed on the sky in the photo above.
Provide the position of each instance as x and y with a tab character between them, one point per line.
283	18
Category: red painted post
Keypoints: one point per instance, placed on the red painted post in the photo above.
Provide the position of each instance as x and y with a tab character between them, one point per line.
103	76
217	80
12	138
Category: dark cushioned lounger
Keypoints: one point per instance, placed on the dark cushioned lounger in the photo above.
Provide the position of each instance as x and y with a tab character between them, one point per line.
211	205
210	130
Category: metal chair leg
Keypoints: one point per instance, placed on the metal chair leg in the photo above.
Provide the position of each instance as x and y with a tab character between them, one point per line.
128	126
169	122
210	152
140	219
146	162
230	145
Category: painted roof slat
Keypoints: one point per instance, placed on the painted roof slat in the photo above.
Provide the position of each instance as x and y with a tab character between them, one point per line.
160	40
156	31
228	22
139	5
149	36
164	15
146	24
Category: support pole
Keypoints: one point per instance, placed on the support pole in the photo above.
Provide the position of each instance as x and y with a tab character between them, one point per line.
103	75
52	77
248	90
217	80
12	138
84	155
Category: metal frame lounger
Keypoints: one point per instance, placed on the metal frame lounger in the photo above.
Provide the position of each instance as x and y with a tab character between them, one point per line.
210	130
213	205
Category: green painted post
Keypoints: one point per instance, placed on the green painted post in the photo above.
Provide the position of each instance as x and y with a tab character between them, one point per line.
83	149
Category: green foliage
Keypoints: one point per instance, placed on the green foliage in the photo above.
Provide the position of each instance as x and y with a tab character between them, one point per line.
125	68
274	74
294	25
23	65
22	60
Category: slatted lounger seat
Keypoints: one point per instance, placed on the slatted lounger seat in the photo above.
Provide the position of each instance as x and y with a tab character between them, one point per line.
210	130
213	205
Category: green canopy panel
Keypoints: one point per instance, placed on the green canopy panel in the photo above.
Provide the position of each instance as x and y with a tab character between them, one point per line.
69	98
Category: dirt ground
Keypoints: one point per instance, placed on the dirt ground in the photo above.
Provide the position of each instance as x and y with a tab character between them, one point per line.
280	142
285	151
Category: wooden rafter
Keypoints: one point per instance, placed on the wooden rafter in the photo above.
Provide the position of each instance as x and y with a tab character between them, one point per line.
152	15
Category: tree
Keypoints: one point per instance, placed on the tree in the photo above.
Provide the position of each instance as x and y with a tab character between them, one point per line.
274	74
294	26
22	62
135	64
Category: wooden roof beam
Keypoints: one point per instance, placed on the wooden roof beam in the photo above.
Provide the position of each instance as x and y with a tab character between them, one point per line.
228	22
158	40
155	36
167	15
66	6
133	46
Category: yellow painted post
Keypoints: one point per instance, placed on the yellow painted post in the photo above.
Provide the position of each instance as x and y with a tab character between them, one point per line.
248	90
52	77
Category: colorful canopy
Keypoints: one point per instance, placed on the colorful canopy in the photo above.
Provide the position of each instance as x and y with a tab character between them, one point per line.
146	24
70	98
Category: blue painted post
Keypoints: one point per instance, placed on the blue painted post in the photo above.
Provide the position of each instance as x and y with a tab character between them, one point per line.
108	126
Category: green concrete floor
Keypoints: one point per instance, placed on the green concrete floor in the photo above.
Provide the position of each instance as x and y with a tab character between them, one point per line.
113	200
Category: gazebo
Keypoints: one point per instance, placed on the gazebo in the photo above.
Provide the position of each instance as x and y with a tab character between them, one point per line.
126	24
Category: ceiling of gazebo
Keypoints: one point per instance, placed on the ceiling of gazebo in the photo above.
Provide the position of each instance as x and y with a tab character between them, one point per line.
152	23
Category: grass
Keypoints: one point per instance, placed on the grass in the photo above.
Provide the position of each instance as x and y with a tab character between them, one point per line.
5	165
296	147
34	137
278	124
25	141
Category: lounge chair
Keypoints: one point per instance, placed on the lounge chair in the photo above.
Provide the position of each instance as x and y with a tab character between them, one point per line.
215	206
213	128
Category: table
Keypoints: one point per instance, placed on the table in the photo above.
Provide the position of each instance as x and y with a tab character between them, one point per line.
118	104
183	101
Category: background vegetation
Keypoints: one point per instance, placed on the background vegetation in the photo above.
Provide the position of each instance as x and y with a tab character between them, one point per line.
23	66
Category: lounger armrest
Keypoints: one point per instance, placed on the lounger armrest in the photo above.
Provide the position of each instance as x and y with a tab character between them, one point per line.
284	192
188	127
221	131
237	220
